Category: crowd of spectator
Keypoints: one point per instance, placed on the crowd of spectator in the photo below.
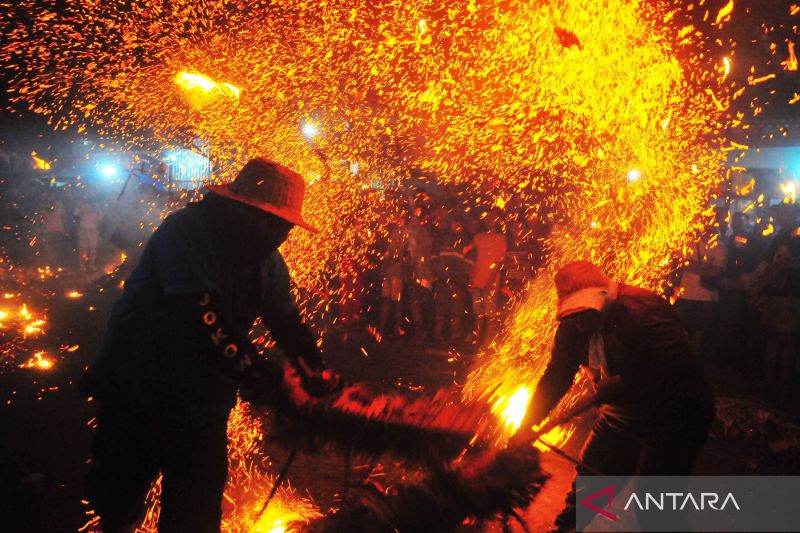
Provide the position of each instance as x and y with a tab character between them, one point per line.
739	296
445	272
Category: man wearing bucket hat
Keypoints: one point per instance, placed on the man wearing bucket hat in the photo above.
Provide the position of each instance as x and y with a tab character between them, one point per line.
655	403
177	349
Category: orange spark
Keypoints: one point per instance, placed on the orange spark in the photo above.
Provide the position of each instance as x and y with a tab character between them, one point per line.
791	62
725	12
755	81
39	163
39	361
789	190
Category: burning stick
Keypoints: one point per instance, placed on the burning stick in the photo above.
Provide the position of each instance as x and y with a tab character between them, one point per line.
527	437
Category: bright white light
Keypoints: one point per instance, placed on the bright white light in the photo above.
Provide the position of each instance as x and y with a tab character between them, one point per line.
108	171
310	130
789	190
634	175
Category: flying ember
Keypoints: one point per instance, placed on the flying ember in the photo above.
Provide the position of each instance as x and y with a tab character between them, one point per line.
491	186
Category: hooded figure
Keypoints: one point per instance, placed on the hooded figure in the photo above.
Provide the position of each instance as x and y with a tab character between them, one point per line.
177	350
655	403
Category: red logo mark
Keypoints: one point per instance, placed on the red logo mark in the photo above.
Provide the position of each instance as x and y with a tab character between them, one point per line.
609	492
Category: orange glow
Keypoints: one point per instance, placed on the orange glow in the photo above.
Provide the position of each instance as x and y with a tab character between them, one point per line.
791	62
74	294
482	95
755	81
248	485
39	361
39	163
511	410
558	436
789	190
201	90
725	12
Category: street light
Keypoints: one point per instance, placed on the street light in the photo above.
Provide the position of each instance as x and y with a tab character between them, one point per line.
310	130
107	170
634	175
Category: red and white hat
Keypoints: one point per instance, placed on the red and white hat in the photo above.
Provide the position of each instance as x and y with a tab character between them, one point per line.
270	187
581	285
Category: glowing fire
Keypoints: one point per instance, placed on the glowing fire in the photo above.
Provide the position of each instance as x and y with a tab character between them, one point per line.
725	12
39	163
511	410
74	294
202	89
39	361
23	321
550	101
791	61
248	487
789	190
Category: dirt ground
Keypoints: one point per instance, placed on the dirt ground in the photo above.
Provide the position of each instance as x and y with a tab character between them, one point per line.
45	436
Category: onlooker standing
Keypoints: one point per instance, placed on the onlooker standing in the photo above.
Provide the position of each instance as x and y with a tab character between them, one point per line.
777	294
452	272
700	282
490	247
518	266
392	283
88	214
779	298
742	334
53	230
420	246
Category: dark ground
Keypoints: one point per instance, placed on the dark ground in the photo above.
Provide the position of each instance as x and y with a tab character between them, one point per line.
45	437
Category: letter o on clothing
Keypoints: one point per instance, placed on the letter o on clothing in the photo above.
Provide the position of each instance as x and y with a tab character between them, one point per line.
231	351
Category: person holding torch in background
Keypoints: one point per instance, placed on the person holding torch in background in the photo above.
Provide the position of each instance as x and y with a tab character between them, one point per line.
177	349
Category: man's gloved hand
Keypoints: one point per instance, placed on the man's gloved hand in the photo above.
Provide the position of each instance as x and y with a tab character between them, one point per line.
292	392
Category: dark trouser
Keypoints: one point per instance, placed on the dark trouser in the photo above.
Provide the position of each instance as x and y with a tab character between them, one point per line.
698	319
614	449
449	301
130	450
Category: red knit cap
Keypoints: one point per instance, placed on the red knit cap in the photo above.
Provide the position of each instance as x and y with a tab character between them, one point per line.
578	275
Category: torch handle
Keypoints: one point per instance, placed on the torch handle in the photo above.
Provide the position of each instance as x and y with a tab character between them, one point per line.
582	405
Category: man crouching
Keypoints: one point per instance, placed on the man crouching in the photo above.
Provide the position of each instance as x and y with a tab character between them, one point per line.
655	403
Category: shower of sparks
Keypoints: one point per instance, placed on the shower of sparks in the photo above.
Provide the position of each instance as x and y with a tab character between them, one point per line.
546	106
548	101
22	330
247	488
